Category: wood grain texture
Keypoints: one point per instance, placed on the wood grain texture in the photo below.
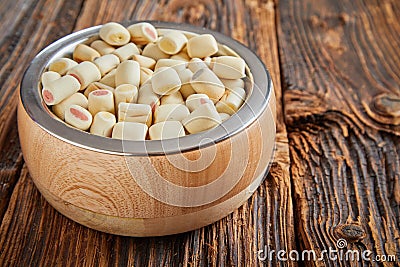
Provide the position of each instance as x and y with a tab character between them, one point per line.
340	69
33	233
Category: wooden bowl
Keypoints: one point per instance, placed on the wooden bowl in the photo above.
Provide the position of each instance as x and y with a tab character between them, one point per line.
148	188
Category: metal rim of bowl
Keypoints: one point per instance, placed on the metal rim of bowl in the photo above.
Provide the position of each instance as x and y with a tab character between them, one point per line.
256	102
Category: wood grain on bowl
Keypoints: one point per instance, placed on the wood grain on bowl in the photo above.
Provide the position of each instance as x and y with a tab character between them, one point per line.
33	233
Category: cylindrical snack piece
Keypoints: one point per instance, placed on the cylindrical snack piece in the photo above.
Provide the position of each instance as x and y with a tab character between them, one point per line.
78	117
175	98
128	72
202	118
145	75
147	96
144	62
60	89
195	100
101	100
102	47
165	81
114	34
224	116
172	43
135	112
130	131
49	76
126	52
143	33
62	65
166	130
152	50
86	72
103	123
75	99
109	78
126	93
186	88
202	46
181	56
84	52
228	67
207	60
106	63
178	65
229	83
97	86
231	101
170	112
204	81
195	64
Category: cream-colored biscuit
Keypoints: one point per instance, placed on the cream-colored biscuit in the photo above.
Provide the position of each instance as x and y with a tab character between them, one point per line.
128	72
229	83
109	78
102	47
49	76
224	116
103	124
86	72
135	112
114	34
101	100
84	52
195	64
175	98
228	67
78	117
127	93
60	89
62	65
75	99
143	33
147	96
130	131
195	100
144	62
231	101
204	81
106	63
172	42
170	112
97	86
186	88
165	81
203	118
202	46
152	50
126	52
145	75
166	130
178	65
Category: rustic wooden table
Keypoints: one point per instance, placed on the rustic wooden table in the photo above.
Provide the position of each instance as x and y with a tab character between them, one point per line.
336	174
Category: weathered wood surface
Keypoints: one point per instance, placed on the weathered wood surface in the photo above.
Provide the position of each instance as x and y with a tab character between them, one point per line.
339	64
32	233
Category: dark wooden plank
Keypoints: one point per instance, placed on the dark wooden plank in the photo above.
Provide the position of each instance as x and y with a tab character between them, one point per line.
28	27
341	76
33	233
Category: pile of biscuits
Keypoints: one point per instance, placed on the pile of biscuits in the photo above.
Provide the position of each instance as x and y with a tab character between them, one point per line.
137	83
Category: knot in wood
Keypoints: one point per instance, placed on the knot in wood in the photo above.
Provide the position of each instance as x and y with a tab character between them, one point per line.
388	105
350	232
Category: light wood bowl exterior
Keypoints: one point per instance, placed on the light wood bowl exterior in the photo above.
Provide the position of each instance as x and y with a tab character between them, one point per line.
100	190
